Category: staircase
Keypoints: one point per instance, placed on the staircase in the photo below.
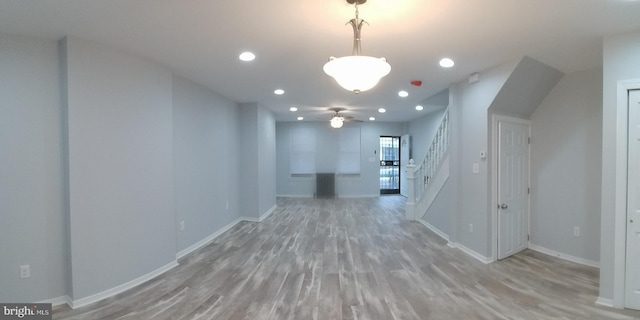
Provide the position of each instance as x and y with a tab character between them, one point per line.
425	179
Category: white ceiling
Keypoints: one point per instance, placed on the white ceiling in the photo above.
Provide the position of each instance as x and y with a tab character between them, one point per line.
201	40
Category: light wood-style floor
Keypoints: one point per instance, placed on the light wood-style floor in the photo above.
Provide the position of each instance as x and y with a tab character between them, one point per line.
353	259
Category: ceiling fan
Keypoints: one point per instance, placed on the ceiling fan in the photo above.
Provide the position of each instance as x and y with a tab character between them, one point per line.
338	120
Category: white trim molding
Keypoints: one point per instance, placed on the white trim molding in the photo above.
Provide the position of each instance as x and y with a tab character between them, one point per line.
435	230
182	253
564	256
294	196
262	217
74	304
268	213
358	196
605	302
620	201
467	250
455	245
57	301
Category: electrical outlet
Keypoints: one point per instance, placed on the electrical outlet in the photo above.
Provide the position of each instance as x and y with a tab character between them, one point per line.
181	225
576	231
25	271
227	205
470	227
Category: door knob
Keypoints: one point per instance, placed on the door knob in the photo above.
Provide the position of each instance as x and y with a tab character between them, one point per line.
504	206
630	221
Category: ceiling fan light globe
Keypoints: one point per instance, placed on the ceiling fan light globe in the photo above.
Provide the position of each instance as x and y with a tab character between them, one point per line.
337	122
357	73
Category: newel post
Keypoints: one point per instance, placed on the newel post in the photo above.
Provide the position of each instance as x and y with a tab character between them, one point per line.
411	191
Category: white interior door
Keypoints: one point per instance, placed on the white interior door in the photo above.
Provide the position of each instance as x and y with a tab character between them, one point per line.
632	276
513	187
405	147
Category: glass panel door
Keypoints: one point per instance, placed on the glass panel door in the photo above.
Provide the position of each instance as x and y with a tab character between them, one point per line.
389	165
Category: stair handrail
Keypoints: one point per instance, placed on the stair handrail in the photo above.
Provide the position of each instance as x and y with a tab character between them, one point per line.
426	169
419	176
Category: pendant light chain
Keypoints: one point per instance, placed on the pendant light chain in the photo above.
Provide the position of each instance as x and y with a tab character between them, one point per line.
356	73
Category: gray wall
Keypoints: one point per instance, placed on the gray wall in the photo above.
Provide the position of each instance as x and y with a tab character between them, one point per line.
422	131
32	210
527	85
95	145
621	61
470	137
206	161
258	148
120	134
367	185
266	137
565	157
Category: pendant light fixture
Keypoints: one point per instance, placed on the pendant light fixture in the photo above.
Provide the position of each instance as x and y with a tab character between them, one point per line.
356	72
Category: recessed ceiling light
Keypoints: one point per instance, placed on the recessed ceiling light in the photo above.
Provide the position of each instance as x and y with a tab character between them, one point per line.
403	93
247	56
293	109
300	118
278	91
372	118
446	63
419	108
382	110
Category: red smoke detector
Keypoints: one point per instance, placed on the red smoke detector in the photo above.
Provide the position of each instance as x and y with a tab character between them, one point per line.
416	83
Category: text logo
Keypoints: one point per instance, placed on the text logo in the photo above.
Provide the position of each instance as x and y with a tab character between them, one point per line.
30	311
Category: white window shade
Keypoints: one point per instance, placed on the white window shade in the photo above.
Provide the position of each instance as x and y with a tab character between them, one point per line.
302	154
349	151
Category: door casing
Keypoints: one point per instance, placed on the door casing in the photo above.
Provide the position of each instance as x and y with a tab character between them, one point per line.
620	210
632	272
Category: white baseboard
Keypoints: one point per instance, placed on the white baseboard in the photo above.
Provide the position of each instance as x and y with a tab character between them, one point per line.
294	195
564	256
123	287
268	213
467	250
450	244
435	230
358	196
58	301
262	217
206	240
605	302
337	196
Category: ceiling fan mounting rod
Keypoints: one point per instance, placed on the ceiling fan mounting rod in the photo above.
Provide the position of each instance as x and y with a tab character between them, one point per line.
357	23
